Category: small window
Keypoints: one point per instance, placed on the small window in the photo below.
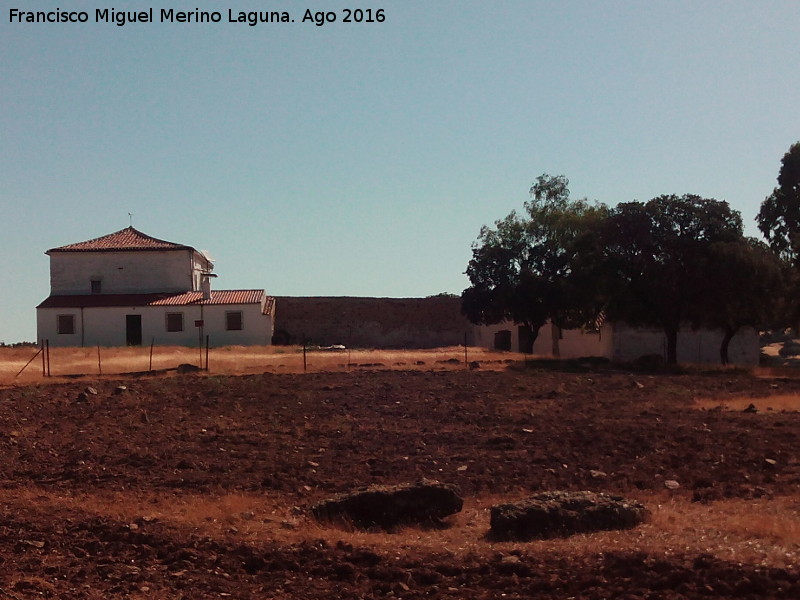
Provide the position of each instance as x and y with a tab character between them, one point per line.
97	286
233	320
66	324
174	322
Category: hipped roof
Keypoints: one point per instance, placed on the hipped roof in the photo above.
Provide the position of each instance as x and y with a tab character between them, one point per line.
124	239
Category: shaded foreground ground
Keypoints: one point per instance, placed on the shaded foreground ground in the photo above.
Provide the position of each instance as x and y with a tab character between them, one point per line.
194	486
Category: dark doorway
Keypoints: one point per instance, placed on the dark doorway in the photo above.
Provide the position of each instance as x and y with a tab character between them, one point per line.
502	340
133	330
525	339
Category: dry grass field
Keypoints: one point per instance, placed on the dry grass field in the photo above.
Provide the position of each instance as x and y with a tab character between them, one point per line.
232	360
196	485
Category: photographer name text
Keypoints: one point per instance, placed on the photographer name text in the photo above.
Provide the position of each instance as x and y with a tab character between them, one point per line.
251	18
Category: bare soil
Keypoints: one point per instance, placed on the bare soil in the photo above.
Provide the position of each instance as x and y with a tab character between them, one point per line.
195	486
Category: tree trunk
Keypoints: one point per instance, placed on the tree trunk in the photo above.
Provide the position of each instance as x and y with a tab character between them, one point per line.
672	345
726	340
555	335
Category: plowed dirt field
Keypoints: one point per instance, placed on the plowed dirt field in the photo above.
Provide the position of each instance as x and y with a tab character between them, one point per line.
196	486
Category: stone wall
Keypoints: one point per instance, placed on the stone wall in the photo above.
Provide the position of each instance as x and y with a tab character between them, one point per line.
371	322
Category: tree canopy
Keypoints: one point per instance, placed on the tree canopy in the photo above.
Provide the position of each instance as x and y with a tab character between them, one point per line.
745	281
779	217
669	262
652	261
521	270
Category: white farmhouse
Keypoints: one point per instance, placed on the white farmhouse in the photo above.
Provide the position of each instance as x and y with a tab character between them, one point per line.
127	288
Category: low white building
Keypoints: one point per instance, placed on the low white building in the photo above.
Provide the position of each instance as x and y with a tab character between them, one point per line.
128	288
622	343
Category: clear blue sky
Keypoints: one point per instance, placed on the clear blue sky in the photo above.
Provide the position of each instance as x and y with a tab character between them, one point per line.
362	159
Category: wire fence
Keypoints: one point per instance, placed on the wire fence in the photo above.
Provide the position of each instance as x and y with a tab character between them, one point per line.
45	362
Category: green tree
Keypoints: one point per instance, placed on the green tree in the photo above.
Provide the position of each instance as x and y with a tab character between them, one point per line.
779	216
652	260
522	269
744	288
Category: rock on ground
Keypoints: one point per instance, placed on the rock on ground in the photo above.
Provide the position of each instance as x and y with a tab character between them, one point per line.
555	514
388	506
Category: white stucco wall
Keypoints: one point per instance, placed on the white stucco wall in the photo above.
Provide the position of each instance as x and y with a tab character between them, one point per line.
107	326
123	272
698	347
623	343
573	343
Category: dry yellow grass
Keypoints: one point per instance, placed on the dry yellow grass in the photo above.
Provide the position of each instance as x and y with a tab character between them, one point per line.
232	360
761	532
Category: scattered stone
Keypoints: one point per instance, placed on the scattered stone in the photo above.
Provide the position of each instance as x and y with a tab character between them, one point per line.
449	361
771	461
598	474
463	468
120	389
82	397
475	365
387	506
187	368
671	484
751	408
560	513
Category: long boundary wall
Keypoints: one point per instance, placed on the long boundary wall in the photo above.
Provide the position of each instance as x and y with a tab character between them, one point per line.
371	322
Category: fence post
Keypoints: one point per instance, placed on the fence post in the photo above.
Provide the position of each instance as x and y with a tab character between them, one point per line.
207	353
44	360
99	365
305	342
152	343
47	349
466	362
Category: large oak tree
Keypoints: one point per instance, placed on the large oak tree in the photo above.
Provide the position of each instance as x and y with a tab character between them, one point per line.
653	261
523	269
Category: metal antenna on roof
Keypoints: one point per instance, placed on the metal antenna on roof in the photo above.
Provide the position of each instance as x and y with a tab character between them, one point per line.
130	218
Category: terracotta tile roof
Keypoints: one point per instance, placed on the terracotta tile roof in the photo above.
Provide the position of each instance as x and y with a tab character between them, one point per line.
124	239
217	297
269	306
178	299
